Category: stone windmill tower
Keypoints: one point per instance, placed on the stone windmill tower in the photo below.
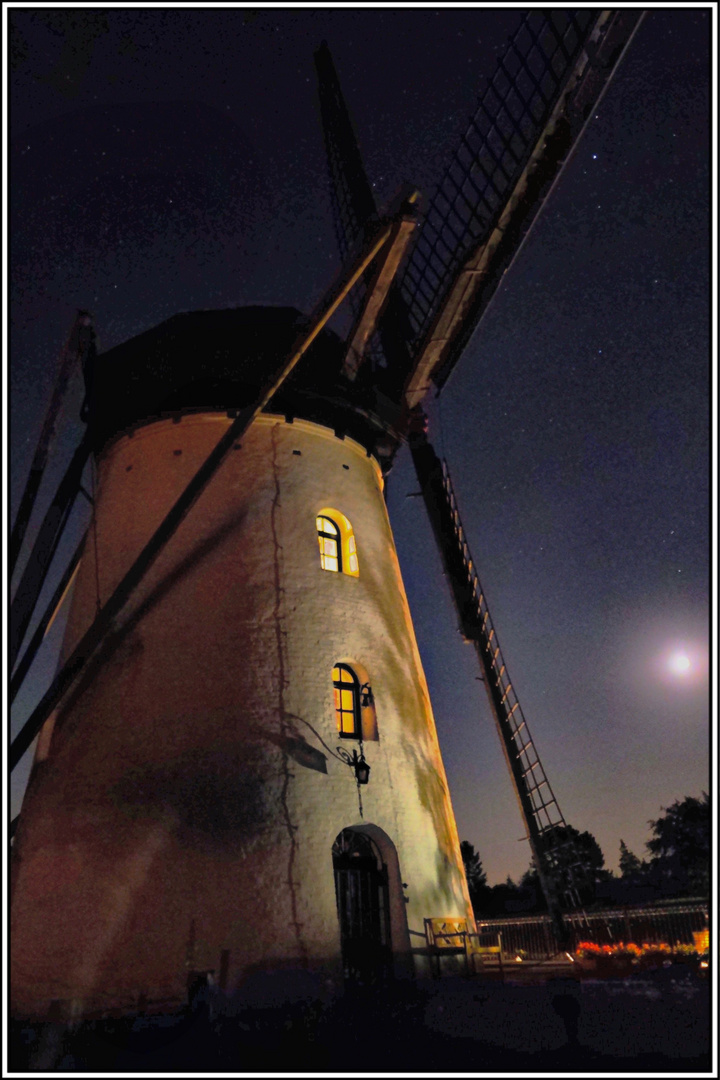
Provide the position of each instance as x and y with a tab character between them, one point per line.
239	652
189	805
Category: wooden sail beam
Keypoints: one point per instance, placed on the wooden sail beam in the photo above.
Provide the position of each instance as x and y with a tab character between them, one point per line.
79	343
354	208
43	628
32	579
471	289
378	290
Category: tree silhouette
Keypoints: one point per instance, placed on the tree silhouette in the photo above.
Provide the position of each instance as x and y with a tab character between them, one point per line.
580	864
631	867
579	867
476	876
680	848
679	866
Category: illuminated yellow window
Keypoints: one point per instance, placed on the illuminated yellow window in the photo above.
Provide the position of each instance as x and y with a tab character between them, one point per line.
346	689
329	540
338	550
352	559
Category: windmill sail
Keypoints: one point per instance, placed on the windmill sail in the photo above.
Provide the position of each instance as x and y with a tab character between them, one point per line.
354	207
78	350
527	122
559	868
353	203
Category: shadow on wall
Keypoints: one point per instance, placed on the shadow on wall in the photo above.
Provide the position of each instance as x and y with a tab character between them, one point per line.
296	746
217	797
121	638
389	624
225	795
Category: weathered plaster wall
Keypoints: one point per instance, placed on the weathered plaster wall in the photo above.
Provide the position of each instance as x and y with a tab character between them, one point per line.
187	799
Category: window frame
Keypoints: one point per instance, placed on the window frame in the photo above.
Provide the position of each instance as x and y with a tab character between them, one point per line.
354	686
328	536
348	562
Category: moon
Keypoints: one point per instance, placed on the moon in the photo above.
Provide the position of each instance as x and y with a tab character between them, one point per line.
679	663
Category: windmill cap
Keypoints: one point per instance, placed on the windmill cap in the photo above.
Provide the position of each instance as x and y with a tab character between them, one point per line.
219	360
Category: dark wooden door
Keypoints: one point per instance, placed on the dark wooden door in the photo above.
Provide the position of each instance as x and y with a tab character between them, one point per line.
361	889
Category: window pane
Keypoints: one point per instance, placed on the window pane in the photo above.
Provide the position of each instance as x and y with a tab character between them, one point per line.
353	563
325	525
345	693
330	547
328	563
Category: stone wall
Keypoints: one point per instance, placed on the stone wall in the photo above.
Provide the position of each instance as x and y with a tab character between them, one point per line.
183	804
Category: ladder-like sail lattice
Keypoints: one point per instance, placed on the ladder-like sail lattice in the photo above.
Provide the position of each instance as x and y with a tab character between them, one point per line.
478	627
552	845
491	155
554	851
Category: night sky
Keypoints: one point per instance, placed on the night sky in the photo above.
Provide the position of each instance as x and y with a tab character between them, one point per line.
165	160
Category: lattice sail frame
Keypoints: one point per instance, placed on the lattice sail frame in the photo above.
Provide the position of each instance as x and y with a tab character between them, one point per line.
545	807
529	117
491	155
549	844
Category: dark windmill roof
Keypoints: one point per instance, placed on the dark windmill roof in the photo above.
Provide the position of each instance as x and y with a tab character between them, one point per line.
219	360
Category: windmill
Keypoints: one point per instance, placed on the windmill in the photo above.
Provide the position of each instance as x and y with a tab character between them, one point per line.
527	121
409	330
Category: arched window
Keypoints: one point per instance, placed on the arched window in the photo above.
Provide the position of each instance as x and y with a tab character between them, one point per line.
346	687
338	550
329	540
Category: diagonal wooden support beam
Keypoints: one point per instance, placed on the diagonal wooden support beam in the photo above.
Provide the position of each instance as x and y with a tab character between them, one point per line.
79	343
43	550
379	288
43	627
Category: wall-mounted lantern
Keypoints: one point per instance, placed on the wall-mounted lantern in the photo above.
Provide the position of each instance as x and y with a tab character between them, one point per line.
358	763
366	697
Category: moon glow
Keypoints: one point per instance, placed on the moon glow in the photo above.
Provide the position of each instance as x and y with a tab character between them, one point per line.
679	663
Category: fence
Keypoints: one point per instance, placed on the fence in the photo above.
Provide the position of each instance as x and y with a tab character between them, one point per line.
672	922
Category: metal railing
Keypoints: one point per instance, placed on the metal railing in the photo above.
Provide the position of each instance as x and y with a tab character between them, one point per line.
673	922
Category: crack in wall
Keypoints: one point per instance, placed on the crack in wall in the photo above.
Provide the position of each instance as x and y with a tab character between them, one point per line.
282	685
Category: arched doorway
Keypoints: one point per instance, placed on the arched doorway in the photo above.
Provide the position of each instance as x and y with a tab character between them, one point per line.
361	890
